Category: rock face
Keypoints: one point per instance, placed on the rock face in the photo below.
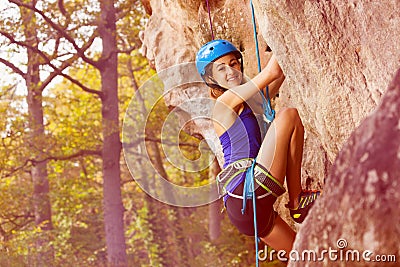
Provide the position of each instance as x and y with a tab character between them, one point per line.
338	58
360	203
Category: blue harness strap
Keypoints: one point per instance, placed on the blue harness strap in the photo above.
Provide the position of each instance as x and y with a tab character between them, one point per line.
249	193
248	186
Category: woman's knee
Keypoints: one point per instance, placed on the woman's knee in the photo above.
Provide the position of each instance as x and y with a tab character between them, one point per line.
281	237
290	116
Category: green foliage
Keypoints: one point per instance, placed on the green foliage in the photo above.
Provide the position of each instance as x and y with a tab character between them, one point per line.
74	117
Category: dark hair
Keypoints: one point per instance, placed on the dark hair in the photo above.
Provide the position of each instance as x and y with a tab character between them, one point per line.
209	79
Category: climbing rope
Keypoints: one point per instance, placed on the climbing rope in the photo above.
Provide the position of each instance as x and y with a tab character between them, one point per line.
209	16
269	113
249	192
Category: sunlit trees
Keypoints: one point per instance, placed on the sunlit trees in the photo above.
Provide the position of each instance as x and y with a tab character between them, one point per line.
54	37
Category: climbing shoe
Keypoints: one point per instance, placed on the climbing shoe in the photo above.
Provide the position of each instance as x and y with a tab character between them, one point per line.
306	201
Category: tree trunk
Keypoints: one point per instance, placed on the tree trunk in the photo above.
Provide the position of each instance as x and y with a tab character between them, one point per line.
113	208
214	211
40	197
167	231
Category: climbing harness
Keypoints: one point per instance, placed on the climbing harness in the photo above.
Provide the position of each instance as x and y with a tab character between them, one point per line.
233	172
253	175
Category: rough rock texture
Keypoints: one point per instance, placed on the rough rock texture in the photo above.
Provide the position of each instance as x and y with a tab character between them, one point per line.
338	58
362	195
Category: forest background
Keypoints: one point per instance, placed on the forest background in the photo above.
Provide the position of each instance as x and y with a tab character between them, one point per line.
69	70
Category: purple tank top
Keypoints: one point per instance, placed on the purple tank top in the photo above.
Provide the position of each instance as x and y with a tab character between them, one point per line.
241	140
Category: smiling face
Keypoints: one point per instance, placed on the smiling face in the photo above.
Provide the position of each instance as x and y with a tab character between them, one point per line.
227	71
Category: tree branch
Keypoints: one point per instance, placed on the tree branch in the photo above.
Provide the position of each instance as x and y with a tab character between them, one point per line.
14	170
11	91
57	71
13	67
80	153
67	63
13	217
83	87
59	29
23	44
28	218
158	140
127	51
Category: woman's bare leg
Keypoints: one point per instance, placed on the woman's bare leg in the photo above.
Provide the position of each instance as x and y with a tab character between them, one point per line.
281	236
282	150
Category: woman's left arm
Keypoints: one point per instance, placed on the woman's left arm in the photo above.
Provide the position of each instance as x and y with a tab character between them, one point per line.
275	85
241	93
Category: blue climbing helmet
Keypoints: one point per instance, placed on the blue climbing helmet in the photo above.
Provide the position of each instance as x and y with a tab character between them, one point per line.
213	50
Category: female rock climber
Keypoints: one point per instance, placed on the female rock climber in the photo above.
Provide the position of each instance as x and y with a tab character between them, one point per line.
277	156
